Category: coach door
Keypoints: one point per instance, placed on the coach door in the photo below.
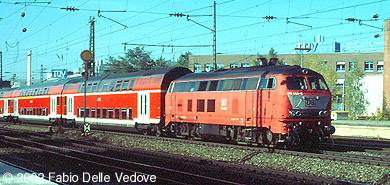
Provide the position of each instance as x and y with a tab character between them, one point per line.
143	106
53	106
15	107
10	106
70	107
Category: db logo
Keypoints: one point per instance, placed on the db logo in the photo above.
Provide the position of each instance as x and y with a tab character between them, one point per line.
310	102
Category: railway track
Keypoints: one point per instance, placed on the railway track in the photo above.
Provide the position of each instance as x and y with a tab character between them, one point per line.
237	170
110	161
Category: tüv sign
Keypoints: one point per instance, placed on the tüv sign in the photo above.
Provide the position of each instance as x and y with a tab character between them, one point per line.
59	73
307	46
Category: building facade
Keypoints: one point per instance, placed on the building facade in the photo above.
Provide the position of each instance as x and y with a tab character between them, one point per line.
372	64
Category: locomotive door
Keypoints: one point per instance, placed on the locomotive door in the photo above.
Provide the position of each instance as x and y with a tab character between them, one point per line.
143	106
250	105
172	108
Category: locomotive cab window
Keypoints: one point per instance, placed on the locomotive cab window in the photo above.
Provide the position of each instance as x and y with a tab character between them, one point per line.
317	84
177	86
268	83
296	83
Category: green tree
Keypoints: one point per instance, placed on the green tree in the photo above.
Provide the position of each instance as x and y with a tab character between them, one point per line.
355	102
271	54
316	63
183	60
161	63
134	60
120	65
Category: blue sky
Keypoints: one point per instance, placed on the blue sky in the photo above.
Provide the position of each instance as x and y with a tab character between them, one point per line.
57	36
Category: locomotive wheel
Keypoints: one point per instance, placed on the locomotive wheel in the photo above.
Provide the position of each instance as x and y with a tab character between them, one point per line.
269	136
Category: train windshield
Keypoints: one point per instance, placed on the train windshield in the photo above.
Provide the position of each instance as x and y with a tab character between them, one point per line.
296	83
317	84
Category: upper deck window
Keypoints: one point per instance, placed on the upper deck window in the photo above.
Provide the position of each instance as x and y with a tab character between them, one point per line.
317	84
296	83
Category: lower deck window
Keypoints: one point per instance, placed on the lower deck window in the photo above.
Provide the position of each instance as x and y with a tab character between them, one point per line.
104	113
130	114
124	113
110	113
117	113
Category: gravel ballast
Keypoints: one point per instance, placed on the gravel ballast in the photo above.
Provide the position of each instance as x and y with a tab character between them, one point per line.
354	172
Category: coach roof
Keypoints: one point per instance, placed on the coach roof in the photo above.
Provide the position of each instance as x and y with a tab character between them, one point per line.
248	71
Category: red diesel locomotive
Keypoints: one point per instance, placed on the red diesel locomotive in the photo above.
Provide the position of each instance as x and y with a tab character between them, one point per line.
262	104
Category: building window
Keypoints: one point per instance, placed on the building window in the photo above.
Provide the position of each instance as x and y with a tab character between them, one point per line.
197	68
379	66
220	65
245	64
352	66
368	66
340	66
208	67
233	65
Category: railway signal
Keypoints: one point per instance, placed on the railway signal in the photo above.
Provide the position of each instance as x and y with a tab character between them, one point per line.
86	56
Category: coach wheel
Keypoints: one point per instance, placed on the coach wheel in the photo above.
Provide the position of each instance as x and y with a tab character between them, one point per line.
158	132
269	136
145	132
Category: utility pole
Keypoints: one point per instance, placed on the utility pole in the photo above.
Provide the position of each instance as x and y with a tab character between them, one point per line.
92	44
1	66
215	38
29	68
214	30
41	73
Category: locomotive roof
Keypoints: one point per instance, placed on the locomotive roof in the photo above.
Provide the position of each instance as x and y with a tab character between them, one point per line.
248	71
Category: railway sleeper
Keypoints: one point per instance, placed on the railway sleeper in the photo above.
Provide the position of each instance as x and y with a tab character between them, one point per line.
63	122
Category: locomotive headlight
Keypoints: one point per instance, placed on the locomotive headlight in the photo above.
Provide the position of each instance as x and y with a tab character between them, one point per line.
323	113
326	113
292	113
298	113
330	129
